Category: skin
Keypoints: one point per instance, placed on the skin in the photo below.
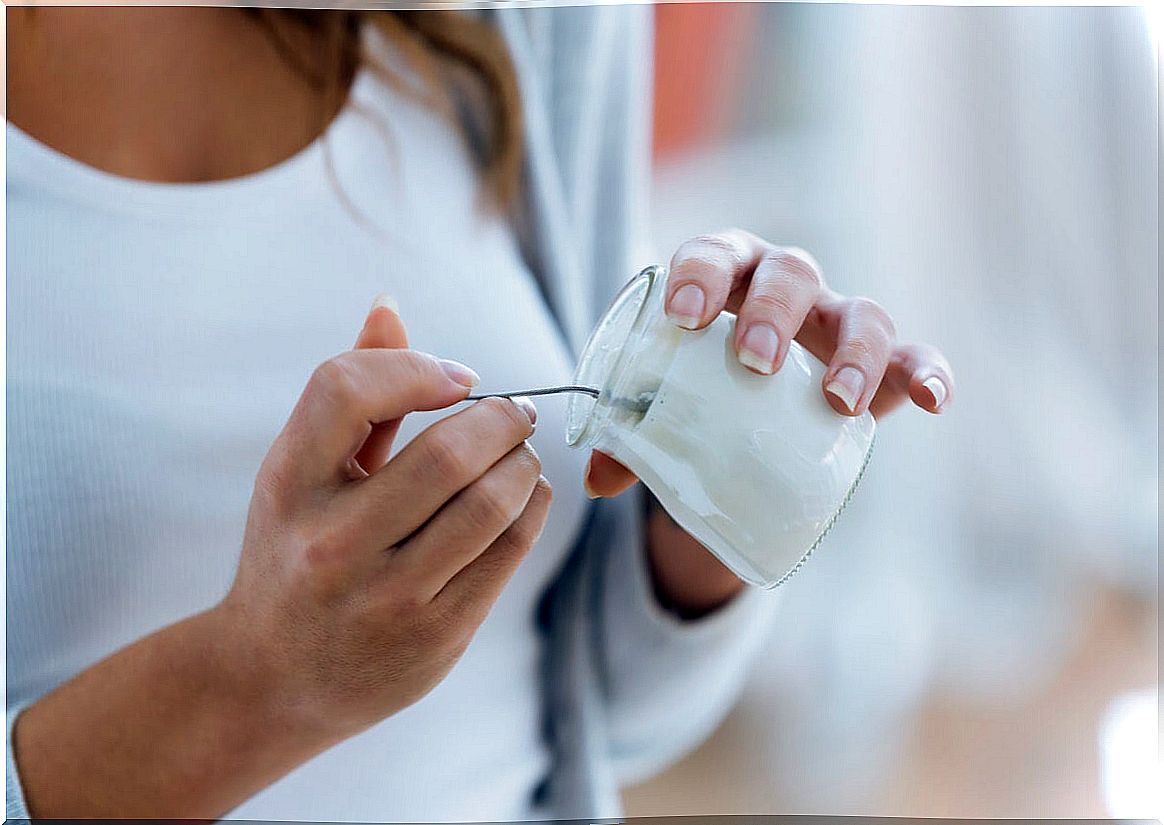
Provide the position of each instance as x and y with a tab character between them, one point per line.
361	580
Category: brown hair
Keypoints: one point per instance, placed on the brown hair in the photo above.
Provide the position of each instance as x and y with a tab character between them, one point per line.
462	61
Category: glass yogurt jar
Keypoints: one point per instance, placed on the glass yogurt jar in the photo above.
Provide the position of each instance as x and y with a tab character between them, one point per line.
756	467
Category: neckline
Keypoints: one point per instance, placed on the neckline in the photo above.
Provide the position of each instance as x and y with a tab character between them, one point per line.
273	189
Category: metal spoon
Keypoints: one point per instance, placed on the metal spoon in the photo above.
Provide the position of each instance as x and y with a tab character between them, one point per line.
591	391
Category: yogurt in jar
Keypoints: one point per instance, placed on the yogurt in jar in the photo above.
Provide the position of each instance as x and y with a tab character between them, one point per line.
755	467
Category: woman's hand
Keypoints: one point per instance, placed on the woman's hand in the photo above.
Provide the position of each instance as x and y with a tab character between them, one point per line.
361	582
778	294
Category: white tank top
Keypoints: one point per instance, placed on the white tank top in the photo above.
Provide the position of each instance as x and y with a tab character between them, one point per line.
159	335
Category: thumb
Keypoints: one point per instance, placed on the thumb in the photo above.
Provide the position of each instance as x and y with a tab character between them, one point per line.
605	477
383	329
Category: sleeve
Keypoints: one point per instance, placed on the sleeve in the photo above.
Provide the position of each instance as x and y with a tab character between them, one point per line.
667	682
14	804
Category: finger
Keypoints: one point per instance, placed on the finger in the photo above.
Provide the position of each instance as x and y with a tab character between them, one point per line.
920	373
349	394
865	341
435	466
469	523
383	328
605	477
705	270
784	287
821	328
471	593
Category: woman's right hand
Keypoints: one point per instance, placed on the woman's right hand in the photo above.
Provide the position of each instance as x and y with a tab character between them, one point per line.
356	592
361	582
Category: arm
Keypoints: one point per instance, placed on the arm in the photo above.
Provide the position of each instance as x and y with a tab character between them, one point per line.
323	633
176	722
780	293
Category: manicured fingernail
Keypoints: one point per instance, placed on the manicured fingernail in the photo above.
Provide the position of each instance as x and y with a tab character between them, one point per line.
686	306
937	390
758	349
460	373
387	301
847	385
527	407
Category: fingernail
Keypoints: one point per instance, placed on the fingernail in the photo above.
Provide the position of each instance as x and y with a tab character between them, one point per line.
937	390
460	373
758	349
686	306
527	407
847	385
387	301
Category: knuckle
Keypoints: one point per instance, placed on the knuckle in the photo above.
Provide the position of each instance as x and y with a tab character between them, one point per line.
798	264
861	349
322	549
444	452
718	249
911	353
771	302
491	505
529	460
520	536
400	599
453	625
872	312
335	380
432	628
507	411
524	532
416	366
543	491
405	365
407	601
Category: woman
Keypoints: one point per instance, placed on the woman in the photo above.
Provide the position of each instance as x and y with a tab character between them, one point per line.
199	199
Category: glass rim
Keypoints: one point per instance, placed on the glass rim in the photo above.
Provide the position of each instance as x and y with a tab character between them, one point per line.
589	426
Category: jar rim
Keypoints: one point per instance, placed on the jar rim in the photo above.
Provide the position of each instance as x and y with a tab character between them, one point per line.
603	359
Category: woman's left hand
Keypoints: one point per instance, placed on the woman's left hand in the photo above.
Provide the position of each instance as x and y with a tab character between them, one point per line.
777	294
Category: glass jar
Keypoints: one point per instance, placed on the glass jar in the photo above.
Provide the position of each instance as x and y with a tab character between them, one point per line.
756	467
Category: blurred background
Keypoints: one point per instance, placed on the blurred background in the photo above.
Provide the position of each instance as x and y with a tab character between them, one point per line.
978	637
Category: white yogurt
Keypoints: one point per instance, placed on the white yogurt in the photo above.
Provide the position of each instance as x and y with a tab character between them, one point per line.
755	467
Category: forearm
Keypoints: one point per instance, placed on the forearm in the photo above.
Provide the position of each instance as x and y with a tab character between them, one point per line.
172	726
686	577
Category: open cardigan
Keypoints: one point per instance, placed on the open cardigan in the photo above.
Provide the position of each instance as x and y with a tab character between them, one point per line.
628	688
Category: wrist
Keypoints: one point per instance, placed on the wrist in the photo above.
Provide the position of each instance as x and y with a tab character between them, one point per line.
687	579
253	683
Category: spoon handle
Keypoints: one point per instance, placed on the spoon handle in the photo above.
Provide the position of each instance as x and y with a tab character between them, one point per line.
591	391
